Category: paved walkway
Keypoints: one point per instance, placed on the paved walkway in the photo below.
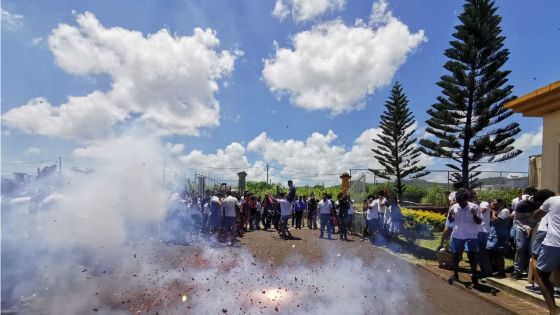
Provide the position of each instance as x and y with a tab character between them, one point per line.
431	295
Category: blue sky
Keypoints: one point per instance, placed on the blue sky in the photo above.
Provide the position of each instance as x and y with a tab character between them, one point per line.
319	133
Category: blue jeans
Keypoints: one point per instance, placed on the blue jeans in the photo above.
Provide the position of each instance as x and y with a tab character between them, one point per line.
522	244
256	221
483	258
373	226
325	219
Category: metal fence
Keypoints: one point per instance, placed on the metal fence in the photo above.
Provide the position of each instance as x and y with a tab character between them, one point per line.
489	179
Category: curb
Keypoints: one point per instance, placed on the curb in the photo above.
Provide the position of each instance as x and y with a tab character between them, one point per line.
470	291
507	308
517	293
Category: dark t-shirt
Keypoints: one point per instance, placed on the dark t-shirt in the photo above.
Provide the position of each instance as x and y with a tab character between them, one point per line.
312	204
525	206
291	194
343	206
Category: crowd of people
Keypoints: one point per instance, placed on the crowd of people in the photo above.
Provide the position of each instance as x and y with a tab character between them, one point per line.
528	227
224	216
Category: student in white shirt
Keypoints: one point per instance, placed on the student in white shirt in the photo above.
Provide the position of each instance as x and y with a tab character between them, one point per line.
466	219
483	233
228	220
373	218
549	256
382	201
285	215
448	225
325	208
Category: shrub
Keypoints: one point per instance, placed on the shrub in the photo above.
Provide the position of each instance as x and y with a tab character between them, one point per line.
435	196
414	219
487	195
414	193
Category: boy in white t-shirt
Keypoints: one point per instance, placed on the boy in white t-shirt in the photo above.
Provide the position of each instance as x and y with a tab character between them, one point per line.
373	218
325	208
466	218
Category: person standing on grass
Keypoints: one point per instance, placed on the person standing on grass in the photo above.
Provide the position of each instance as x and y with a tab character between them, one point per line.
373	218
325	207
498	238
466	218
548	261
299	207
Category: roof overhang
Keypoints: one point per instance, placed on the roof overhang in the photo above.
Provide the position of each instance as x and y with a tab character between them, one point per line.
537	103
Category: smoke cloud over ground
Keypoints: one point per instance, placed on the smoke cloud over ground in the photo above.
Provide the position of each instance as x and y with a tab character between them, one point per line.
86	243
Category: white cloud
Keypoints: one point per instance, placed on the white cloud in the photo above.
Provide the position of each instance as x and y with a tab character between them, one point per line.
233	156
165	81
33	150
528	140
11	21
313	160
175	148
334	67
303	10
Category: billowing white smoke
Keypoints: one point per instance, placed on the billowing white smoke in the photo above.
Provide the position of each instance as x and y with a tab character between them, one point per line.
88	243
59	225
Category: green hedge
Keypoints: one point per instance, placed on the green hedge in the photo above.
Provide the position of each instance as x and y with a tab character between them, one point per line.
488	195
416	218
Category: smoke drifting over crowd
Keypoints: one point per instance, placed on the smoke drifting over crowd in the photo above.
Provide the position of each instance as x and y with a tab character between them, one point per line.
82	243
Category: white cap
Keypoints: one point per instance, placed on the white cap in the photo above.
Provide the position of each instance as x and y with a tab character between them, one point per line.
484	205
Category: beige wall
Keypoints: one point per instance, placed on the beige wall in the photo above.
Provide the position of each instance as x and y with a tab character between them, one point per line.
551	149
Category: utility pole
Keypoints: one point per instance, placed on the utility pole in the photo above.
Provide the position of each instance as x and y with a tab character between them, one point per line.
60	164
267	173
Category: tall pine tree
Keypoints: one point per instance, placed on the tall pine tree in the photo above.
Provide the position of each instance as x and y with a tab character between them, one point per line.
468	118
395	149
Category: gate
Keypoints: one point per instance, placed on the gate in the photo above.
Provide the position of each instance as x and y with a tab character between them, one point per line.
358	192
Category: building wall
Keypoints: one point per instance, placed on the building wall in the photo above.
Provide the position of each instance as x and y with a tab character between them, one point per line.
551	151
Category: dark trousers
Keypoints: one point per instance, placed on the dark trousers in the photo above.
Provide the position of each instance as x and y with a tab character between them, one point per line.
266	219
342	226
299	216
